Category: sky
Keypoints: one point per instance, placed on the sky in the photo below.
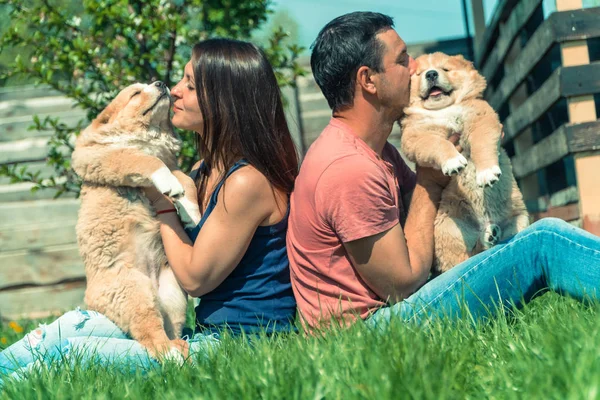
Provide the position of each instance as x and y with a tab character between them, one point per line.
415	20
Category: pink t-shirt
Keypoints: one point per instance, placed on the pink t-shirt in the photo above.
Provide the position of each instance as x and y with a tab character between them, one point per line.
344	192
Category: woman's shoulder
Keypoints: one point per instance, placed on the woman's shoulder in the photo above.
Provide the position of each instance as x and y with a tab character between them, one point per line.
248	191
249	182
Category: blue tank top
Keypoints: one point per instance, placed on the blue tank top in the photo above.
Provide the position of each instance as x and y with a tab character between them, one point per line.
257	295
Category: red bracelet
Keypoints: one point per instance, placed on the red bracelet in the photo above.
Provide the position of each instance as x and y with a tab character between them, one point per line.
168	210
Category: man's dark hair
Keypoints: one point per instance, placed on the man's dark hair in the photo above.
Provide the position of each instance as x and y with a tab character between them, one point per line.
341	48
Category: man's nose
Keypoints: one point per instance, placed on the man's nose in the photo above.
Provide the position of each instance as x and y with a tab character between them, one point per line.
431	75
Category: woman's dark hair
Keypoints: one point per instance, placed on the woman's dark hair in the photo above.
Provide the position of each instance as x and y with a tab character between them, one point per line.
242	112
341	48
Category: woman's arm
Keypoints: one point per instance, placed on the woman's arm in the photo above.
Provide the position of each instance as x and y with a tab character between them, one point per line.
244	202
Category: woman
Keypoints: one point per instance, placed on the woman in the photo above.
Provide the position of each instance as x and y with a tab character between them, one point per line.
235	259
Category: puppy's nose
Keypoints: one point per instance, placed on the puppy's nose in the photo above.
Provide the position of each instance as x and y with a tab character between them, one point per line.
431	75
160	84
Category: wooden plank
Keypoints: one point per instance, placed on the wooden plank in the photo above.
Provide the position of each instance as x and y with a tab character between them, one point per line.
40	267
565	82
532	53
501	13
580	80
568	213
19	192
559	27
26	92
547	151
43	301
530	187
30	150
533	108
561	198
17	128
38	235
517	20
44	169
36	105
584	137
567	139
478	21
39	212
576	24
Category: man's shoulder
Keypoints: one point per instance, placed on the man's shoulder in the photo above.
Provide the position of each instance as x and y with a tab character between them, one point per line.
333	145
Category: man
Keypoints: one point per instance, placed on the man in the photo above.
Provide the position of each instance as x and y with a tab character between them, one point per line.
348	251
349	254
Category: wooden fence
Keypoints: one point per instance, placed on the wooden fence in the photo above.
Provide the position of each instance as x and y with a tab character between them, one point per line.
40	268
544	80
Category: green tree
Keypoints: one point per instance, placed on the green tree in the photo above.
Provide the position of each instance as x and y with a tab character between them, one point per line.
90	50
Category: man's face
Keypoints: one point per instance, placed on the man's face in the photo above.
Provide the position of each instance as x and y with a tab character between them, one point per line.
393	83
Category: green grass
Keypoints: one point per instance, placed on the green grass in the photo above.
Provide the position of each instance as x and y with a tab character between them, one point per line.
550	349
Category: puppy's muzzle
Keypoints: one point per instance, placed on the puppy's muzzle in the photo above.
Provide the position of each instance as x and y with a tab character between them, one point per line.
431	76
161	86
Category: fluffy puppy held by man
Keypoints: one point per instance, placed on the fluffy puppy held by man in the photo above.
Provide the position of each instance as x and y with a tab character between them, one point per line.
131	145
482	203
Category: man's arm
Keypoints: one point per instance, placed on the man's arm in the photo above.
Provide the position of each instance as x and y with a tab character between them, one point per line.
394	264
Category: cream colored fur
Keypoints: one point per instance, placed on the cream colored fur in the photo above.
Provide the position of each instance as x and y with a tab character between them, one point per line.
482	203
128	278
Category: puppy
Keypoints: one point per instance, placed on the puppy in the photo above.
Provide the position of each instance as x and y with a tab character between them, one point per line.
131	145
482	203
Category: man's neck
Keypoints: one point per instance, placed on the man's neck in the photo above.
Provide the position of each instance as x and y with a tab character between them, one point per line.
372	128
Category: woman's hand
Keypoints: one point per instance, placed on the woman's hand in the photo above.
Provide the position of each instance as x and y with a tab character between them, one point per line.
158	200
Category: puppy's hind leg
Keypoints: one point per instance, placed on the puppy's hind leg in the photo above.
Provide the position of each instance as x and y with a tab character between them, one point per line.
173	301
132	303
454	241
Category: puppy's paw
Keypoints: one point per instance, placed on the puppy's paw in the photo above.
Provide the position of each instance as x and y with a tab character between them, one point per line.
489	176
454	165
189	212
174	356
490	236
166	182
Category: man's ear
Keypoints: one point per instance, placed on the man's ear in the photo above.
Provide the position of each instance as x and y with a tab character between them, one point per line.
364	79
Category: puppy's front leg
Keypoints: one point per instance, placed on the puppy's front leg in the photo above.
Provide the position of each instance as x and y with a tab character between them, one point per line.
187	205
432	149
124	167
484	134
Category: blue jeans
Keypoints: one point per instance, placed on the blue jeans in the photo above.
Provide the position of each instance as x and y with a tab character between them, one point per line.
549	254
84	336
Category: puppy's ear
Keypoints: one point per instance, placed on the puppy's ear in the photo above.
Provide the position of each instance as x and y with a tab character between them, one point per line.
105	115
462	60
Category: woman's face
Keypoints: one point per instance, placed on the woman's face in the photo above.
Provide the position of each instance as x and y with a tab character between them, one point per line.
186	110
